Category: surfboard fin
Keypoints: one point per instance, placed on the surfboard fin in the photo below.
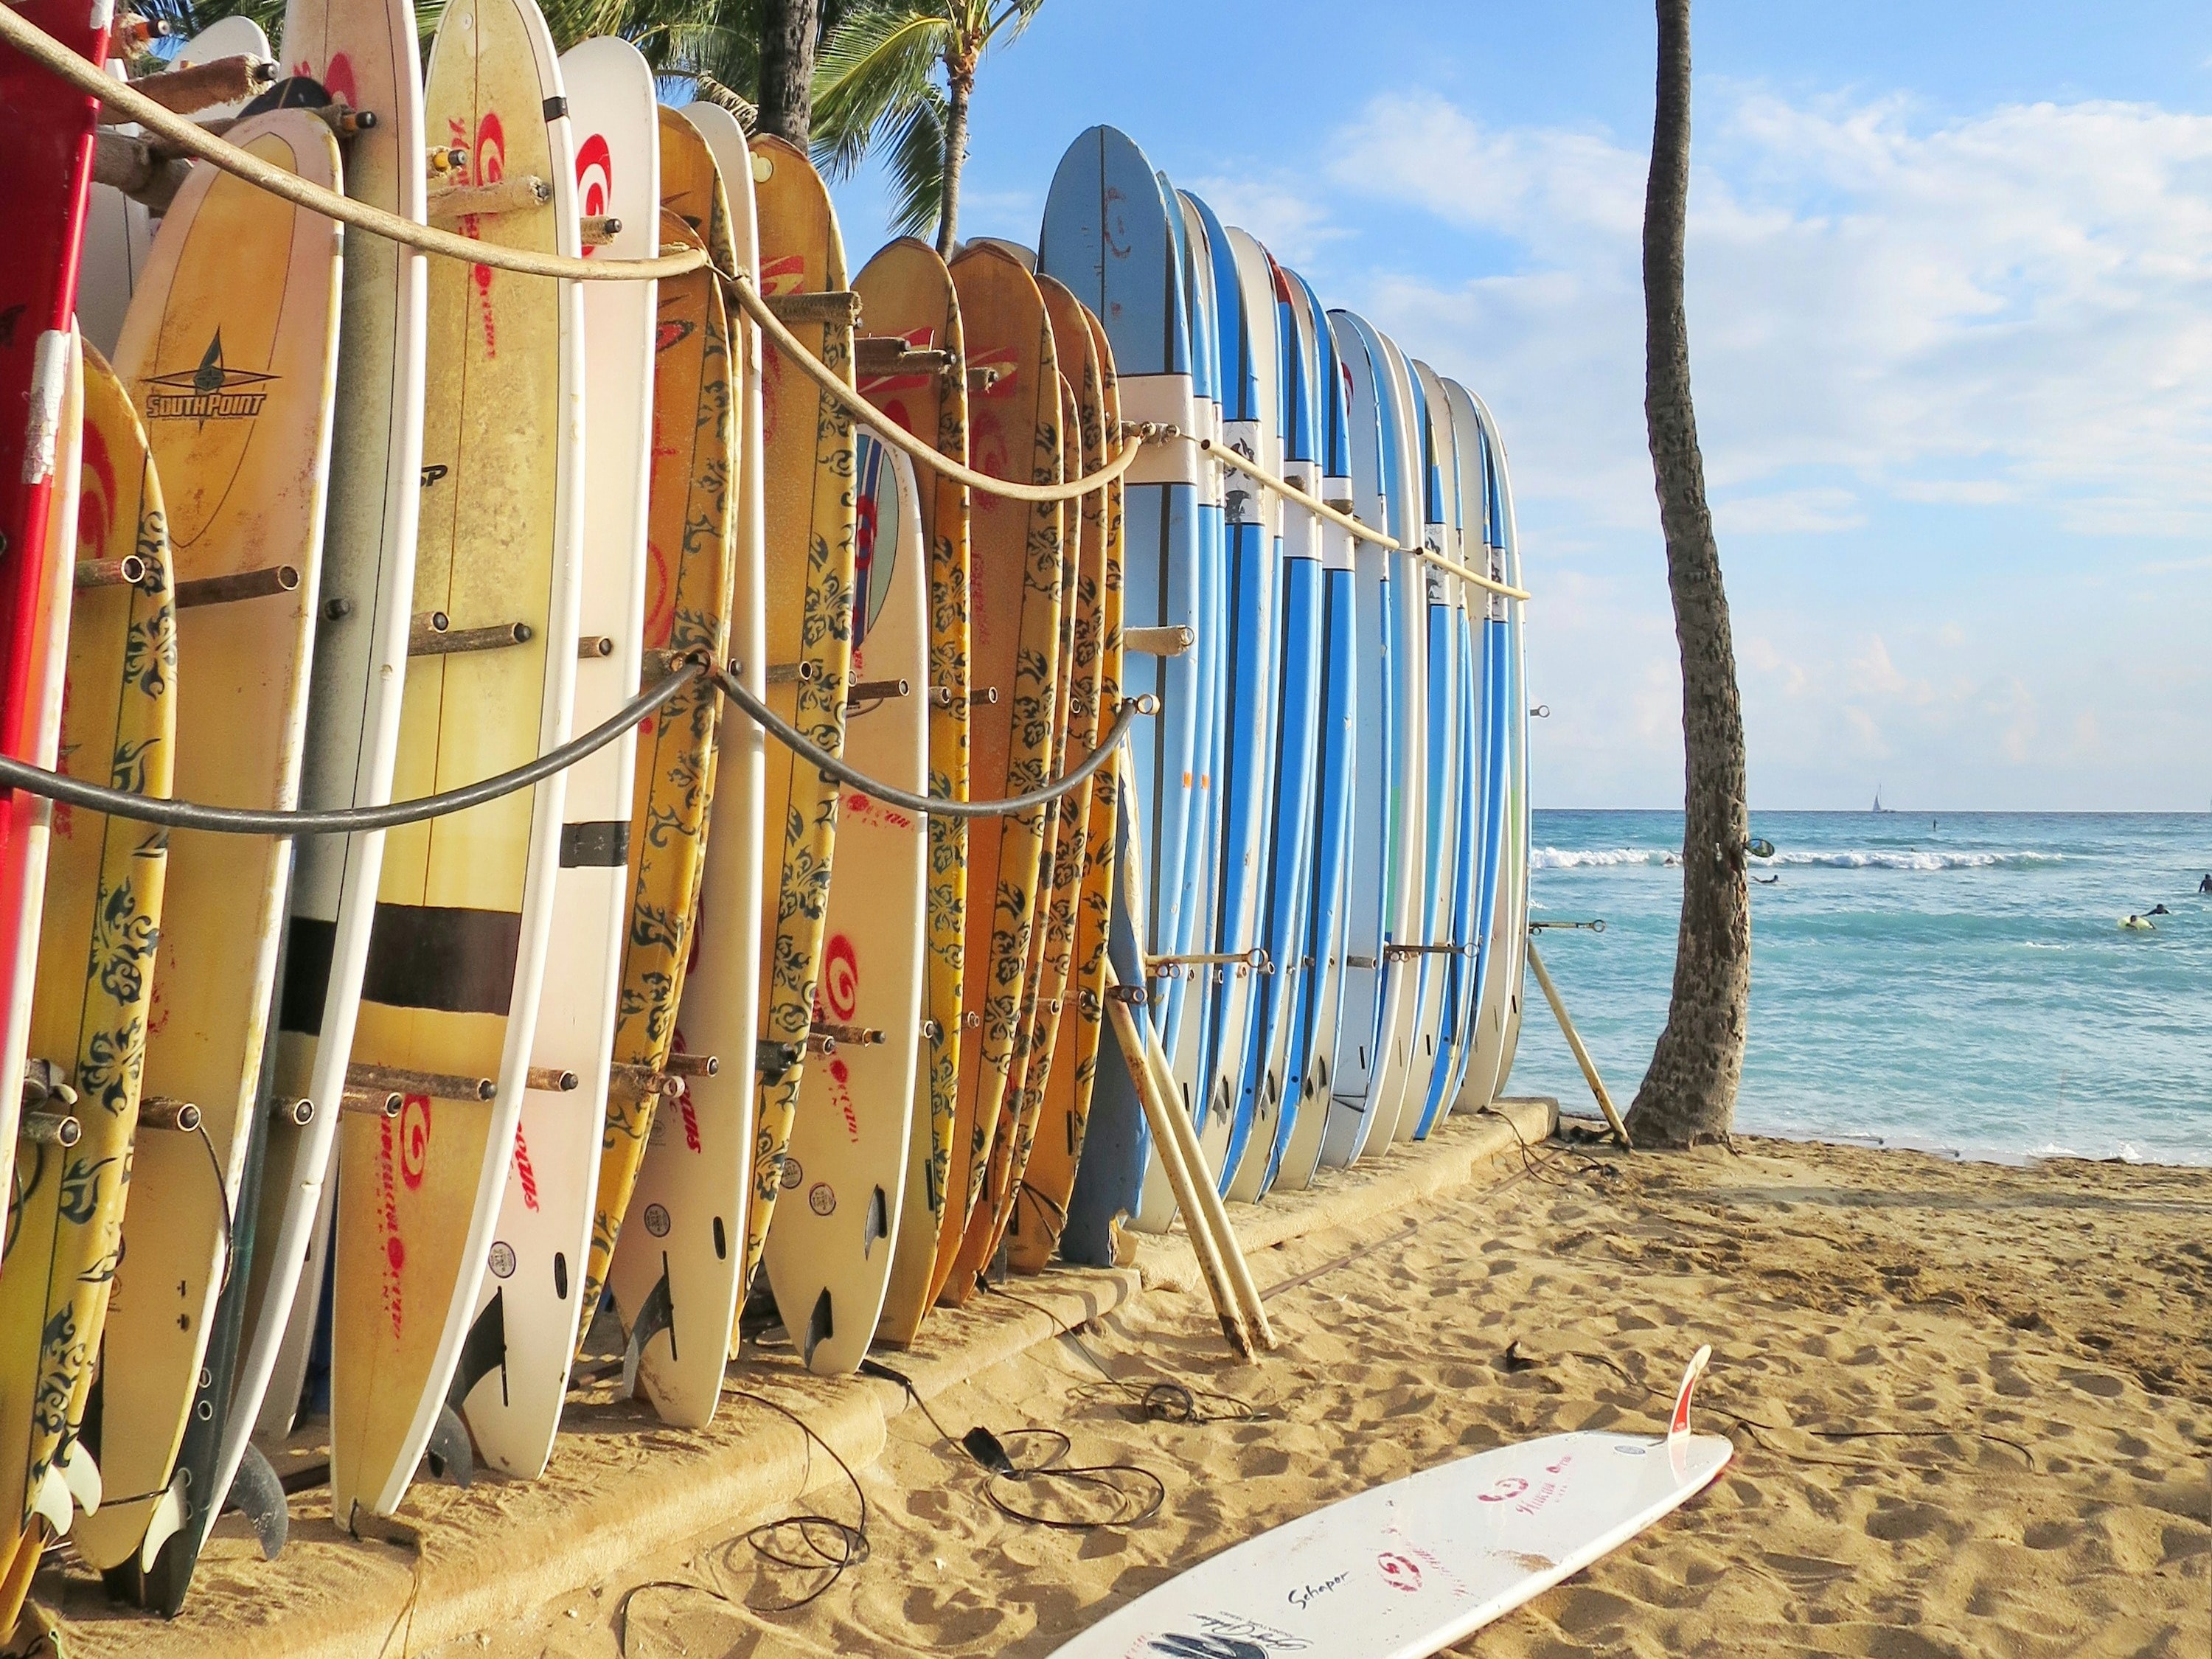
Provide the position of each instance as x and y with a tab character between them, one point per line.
451	1458
259	1495
164	1523
657	1314
820	1325
81	1472
1677	1426
483	1352
51	1502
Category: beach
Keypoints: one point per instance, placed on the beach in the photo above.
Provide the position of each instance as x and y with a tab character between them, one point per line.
1970	1406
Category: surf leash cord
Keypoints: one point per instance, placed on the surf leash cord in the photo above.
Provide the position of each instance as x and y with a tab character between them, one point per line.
355	820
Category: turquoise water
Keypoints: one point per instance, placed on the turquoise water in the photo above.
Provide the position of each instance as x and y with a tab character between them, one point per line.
1961	983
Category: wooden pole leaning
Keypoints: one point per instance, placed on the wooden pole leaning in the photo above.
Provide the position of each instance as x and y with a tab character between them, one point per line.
1209	1197
1158	1113
1582	1054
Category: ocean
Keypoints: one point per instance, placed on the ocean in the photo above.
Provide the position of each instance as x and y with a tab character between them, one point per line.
1957	982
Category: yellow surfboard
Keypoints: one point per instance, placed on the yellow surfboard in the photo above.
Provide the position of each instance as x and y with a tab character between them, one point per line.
1083	438
907	297
689	545
1016	573
96	959
230	352
1047	1181
458	954
808	552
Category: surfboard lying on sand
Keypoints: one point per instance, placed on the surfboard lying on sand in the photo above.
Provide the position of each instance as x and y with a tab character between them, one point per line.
1410	1568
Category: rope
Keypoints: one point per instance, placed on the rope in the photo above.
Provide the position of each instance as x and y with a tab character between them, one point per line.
242	821
887	427
1237	462
927	805
192	139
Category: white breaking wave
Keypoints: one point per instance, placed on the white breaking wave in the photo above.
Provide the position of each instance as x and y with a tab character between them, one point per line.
1564	858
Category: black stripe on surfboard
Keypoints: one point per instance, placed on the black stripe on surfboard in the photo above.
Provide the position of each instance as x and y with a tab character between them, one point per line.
308	951
456	961
603	844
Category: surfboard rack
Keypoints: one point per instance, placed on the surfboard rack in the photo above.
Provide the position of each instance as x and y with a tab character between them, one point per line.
1401	952
244	585
862	691
552	1079
594	645
444	158
129	571
50	1129
772	1061
437	1086
451	202
859	1036
641	1082
791	673
163	1112
454	641
299	1112
693	1066
598	229
1169	641
1133	996
882	356
370	1102
837	307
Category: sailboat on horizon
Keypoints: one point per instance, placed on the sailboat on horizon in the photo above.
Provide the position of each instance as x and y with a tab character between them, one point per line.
1878	806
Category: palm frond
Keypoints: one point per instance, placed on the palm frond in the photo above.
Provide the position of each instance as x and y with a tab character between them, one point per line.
916	165
874	72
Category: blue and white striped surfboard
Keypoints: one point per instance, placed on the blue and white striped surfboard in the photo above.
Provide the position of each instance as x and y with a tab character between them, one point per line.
1112	235
1319	424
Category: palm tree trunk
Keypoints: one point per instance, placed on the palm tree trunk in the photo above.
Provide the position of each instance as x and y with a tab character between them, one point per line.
789	31
1688	1095
960	83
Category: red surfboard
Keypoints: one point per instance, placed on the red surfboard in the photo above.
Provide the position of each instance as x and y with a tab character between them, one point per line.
44	190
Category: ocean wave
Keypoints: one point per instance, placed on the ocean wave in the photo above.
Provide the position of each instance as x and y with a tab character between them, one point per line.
1904	858
1910	859
1564	858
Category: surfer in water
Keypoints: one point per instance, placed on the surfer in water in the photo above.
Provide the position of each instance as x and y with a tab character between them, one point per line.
2205	885
2140	925
2158	910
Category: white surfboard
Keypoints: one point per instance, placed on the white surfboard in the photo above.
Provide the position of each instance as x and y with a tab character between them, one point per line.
535	1270
227	37
1408	1569
366	55
685	1229
829	1259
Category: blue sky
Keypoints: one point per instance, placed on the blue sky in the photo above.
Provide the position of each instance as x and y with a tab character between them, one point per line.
1951	329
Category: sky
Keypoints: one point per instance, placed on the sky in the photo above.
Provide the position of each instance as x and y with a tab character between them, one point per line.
1950	301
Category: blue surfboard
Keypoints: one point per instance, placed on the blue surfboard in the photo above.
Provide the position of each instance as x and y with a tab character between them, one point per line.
1111	235
1251	426
1322	419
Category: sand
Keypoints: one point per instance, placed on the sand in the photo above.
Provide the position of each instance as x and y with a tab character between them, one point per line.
2024	1351
1972	1318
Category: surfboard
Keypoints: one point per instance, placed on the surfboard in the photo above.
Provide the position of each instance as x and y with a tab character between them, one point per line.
1309	1072
908	296
1454	848
1520	828
1505	932
96	965
458	954
1187	1028
809	553
234	379
1410	873
691	1190
688	595
1014	414
1362	1001
1410	1568
119	234
366	55
43	193
1248	387
533	1294
1112	232
1292	670
1048	1178
829	1259
1083	566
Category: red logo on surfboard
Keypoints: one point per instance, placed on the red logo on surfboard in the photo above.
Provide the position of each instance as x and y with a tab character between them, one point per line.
595	179
414	1140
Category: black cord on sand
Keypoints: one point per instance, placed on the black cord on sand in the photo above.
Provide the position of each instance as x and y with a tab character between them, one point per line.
1165	1399
1122	1485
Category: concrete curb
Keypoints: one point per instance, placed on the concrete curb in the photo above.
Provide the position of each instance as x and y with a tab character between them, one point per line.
621	1487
